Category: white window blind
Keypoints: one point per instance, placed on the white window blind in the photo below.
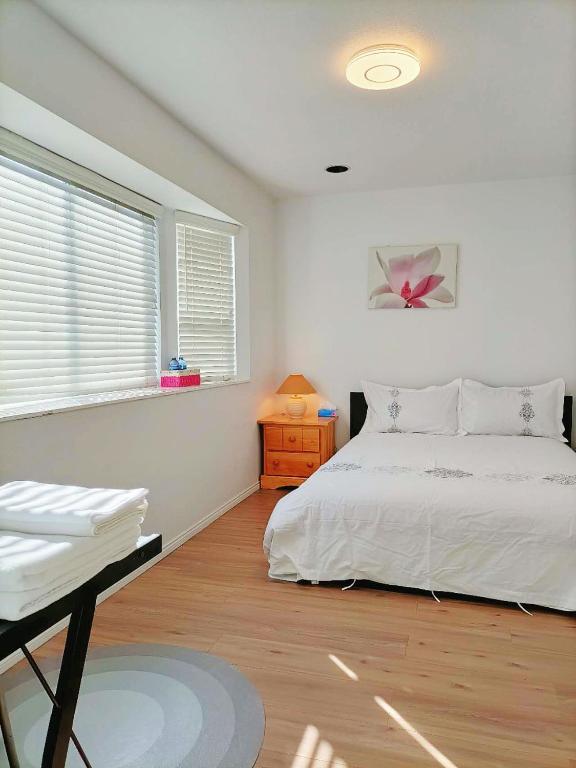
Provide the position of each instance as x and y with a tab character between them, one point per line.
206	297
79	308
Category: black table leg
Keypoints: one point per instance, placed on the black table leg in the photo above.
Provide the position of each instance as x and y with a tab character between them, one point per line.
7	735
46	685
69	680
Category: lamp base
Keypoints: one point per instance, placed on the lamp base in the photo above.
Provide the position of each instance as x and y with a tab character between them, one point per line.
296	407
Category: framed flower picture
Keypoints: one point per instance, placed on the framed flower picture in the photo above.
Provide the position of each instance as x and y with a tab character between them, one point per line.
412	276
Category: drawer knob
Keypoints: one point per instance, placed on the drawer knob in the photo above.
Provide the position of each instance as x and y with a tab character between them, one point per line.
275	462
310	464
291	439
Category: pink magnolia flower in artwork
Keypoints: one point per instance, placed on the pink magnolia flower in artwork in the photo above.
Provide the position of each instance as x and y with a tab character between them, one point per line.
409	279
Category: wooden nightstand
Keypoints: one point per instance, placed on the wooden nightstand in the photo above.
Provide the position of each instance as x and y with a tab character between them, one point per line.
292	449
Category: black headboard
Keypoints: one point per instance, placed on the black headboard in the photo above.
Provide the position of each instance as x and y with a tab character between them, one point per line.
359	408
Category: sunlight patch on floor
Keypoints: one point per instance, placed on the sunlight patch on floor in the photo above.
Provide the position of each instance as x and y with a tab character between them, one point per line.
415	734
313	749
396	716
340	664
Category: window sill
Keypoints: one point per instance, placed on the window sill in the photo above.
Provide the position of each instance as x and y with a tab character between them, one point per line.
46	408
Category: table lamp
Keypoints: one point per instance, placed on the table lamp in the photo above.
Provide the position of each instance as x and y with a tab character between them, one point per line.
296	385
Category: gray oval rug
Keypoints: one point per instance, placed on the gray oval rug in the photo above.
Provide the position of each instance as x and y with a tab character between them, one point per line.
145	706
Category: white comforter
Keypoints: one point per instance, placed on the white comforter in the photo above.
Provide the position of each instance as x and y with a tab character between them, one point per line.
481	515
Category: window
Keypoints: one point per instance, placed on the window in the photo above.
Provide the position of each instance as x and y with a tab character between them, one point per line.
207	296
79	305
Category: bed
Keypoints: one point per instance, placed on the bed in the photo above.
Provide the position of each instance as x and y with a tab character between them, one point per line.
483	515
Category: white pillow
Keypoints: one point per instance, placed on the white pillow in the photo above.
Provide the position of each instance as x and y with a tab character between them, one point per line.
432	410
531	410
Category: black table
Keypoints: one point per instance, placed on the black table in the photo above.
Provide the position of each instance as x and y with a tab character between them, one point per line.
80	605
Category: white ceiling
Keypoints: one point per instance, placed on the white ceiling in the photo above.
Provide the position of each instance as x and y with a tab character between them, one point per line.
263	82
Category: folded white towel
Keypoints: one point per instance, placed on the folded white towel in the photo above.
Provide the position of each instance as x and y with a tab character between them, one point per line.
18	605
31	561
33	507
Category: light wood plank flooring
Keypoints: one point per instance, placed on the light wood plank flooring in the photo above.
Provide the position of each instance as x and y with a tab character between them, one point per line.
458	683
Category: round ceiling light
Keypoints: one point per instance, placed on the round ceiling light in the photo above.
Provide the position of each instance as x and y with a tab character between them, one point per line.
383	66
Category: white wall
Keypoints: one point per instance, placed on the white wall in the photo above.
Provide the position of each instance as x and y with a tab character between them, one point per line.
197	450
515	320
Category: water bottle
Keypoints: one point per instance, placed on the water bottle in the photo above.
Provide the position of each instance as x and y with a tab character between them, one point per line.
174	365
182	364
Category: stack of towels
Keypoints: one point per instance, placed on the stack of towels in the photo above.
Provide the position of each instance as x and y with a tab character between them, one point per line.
53	538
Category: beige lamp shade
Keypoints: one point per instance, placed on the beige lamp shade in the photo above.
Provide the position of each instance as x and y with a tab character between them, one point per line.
295	384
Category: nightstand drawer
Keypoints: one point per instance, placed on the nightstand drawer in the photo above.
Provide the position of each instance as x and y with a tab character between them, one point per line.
273	438
291	464
292	439
311	439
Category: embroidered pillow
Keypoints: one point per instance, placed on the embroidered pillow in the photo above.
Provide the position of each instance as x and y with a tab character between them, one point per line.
534	411
432	410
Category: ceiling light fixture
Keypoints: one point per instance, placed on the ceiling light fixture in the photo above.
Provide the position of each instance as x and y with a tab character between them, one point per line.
383	66
337	169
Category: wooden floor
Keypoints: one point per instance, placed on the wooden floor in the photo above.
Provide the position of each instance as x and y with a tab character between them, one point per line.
458	683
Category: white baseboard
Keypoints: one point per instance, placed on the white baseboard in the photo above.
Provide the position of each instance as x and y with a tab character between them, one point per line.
167	549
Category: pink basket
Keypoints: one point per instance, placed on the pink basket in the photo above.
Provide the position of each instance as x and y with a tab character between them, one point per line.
170	381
